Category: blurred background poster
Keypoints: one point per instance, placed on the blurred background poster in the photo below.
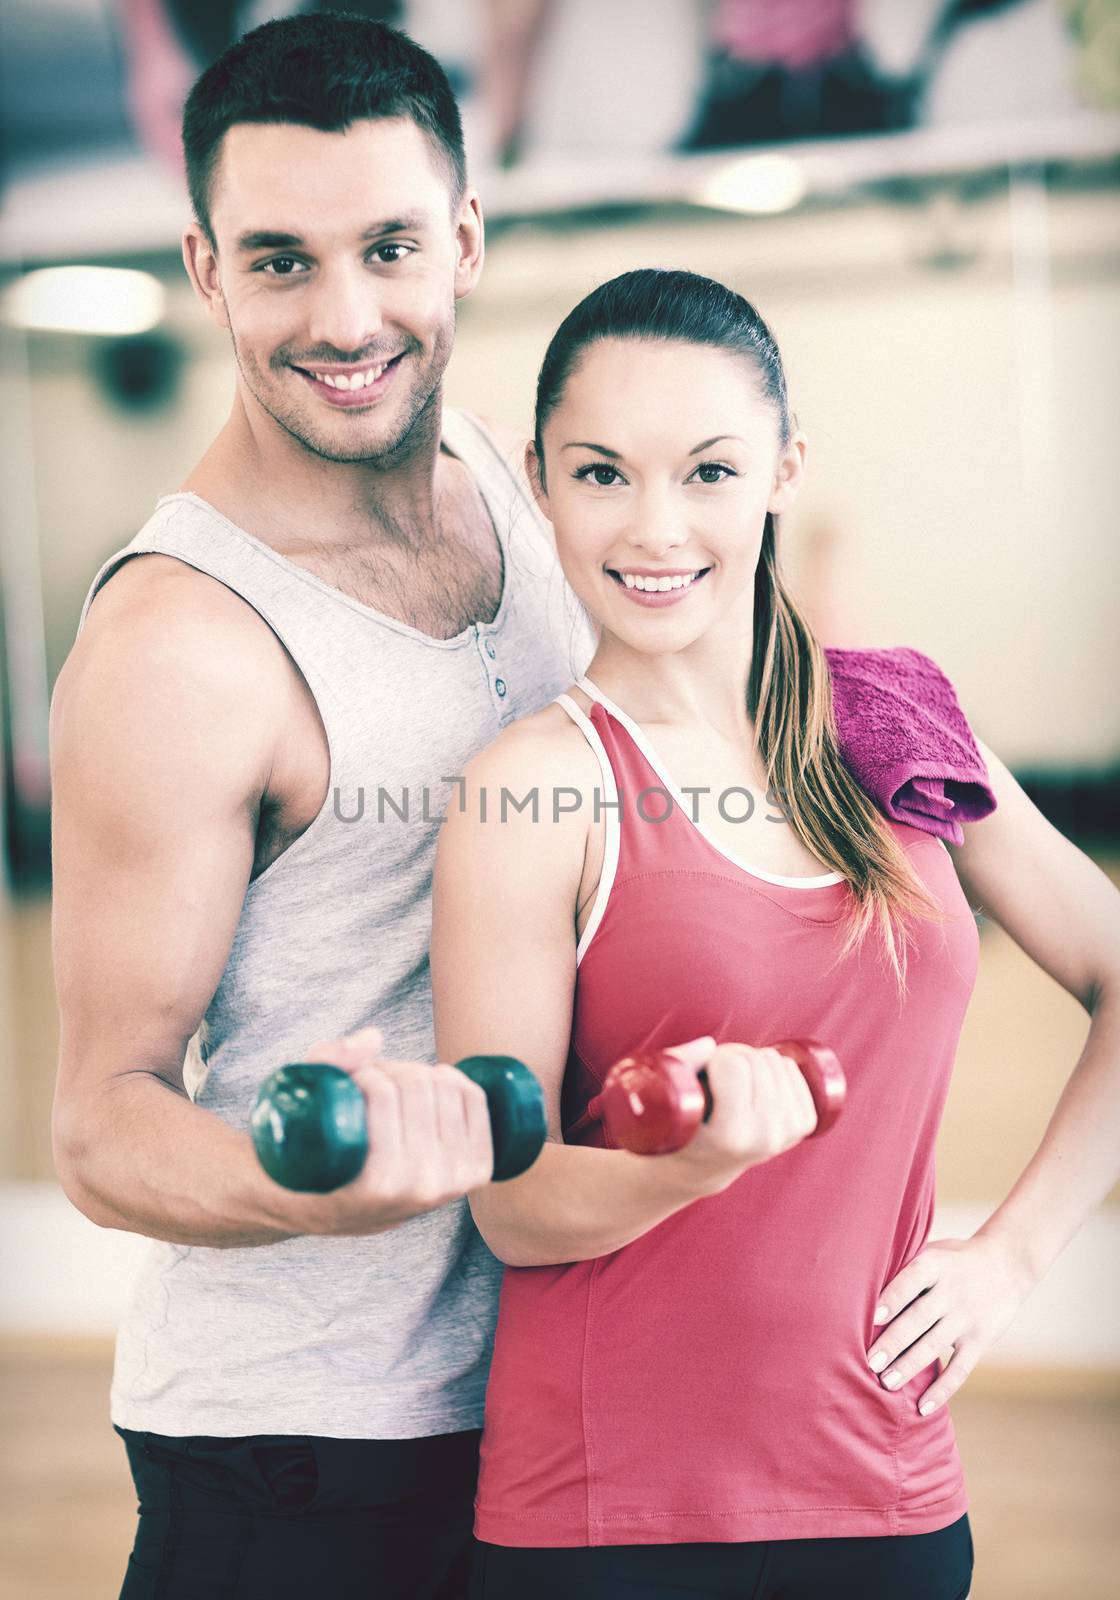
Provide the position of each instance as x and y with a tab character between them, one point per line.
921	197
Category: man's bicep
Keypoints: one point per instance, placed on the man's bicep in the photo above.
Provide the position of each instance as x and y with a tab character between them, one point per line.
152	841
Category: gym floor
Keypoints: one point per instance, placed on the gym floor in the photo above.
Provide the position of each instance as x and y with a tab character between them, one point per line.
1042	1474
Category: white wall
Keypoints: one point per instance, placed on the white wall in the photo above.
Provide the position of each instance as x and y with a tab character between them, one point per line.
963	488
64	1276
962	481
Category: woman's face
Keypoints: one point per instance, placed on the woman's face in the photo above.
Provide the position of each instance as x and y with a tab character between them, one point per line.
662	459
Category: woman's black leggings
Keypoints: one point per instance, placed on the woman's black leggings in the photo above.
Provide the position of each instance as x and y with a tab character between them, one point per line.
914	1566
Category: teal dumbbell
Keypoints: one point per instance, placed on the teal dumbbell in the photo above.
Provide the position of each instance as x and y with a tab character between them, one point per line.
309	1121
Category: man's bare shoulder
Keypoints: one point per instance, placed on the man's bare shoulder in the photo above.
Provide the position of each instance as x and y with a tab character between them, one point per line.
509	440
168	651
157	612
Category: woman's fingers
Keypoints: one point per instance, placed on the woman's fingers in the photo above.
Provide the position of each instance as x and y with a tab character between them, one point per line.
695	1053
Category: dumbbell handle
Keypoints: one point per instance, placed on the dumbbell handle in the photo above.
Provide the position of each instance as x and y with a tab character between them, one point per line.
653	1103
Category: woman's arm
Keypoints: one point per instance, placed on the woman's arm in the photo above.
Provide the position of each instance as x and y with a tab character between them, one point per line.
503	977
958	1296
1064	912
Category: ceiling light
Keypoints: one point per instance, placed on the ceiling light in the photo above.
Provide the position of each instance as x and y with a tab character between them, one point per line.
111	300
762	184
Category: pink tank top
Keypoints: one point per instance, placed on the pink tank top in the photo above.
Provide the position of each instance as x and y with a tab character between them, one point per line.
709	1381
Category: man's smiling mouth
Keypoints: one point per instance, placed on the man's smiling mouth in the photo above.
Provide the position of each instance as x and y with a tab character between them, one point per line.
343	377
349	384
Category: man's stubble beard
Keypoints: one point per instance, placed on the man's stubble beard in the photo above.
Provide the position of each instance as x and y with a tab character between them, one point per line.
418	428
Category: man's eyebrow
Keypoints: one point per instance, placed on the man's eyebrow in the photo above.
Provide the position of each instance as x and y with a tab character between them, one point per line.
580	444
273	239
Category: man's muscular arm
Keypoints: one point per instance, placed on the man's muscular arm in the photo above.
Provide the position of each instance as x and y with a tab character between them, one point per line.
163	722
164	727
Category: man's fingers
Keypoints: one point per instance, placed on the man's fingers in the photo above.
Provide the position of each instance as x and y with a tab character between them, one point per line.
363	1046
350	1051
429	1125
451	1110
416	1086
479	1132
383	1100
327	1053
365	1038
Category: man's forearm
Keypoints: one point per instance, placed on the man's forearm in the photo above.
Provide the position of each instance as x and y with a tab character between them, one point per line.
145	1159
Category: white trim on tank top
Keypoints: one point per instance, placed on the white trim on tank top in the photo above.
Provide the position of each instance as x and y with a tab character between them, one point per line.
613	830
820	881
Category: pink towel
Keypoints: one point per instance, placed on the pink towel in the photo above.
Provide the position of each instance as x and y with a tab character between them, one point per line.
906	741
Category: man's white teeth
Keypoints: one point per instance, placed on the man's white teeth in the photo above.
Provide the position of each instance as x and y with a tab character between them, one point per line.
351	380
648	584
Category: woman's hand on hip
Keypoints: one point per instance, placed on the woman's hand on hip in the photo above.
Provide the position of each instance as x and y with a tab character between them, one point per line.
953	1301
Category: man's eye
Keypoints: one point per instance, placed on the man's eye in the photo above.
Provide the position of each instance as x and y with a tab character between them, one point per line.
391	260
281	266
604	475
713	472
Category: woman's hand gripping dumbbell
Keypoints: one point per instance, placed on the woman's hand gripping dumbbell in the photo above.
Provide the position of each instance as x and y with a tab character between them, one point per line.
724	1107
313	1121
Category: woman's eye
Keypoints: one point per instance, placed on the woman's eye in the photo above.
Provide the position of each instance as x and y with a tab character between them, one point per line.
713	472
598	472
281	266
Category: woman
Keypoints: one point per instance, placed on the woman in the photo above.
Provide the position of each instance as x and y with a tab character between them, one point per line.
692	1388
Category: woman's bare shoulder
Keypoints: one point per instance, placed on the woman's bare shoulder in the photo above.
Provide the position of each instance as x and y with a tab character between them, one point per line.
520	820
543	746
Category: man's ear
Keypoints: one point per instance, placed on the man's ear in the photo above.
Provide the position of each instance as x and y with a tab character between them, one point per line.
201	261
788	474
470	235
534	471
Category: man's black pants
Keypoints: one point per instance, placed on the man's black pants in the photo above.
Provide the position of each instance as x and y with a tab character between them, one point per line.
296	1518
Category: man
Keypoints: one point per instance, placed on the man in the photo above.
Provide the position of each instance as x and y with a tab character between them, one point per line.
327	609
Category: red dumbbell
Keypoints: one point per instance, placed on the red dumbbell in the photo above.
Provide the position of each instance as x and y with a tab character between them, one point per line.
653	1103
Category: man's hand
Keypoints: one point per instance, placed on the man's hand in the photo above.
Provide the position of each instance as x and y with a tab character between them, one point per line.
429	1138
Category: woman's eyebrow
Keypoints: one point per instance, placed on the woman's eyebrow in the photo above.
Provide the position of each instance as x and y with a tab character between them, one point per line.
706	444
582	444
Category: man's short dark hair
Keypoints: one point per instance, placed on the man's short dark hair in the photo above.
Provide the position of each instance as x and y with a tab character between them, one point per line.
324	71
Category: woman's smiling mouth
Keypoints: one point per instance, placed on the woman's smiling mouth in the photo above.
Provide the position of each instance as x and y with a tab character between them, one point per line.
647	588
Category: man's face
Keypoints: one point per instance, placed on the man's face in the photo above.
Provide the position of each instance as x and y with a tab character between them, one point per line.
340	263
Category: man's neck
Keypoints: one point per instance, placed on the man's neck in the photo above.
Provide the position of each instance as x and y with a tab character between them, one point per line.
276	489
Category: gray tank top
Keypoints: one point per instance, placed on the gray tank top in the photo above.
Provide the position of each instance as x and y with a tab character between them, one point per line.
389	1336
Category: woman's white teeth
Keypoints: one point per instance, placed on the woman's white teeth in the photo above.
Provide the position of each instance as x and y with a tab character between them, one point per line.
352	380
648	584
